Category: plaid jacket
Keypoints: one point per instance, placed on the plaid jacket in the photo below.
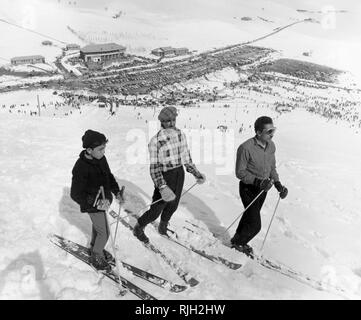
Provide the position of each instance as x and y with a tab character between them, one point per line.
168	149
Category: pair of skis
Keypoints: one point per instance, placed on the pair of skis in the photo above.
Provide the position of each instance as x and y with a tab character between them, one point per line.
266	263
202	253
276	266
184	275
83	254
216	259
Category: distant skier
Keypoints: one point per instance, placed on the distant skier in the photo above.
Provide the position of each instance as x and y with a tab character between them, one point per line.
90	172
168	151
256	169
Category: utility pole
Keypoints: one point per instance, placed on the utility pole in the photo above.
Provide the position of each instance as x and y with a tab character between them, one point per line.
38	105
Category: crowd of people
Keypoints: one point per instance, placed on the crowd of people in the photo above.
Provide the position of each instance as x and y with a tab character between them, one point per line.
67	107
147	78
330	102
279	94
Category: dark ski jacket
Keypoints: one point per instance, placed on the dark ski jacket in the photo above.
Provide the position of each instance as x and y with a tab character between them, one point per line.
88	176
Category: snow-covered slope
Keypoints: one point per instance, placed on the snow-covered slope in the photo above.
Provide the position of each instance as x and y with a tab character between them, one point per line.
316	230
200	25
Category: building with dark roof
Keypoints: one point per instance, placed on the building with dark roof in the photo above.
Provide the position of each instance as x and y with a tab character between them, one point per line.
169	51
47	43
181	51
158	52
102	52
72	46
27	59
163	52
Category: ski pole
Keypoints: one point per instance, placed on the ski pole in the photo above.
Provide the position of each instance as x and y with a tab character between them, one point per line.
274	212
222	235
97	197
158	201
242	212
121	290
162	199
188	189
120	206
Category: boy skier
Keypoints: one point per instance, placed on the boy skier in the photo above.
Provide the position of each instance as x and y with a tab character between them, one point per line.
90	172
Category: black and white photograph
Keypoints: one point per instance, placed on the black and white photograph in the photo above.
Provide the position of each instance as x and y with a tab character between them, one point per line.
188	150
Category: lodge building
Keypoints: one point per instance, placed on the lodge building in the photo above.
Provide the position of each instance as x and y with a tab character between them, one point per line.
72	46
169	52
27	59
102	52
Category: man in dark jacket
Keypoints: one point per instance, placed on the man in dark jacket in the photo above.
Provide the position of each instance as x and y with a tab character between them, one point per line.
256	169
90	172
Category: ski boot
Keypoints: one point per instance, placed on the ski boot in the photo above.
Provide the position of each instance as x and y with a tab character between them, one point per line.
99	262
138	232
163	227
90	250
246	249
108	257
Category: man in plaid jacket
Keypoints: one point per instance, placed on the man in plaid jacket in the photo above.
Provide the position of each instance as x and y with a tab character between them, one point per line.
168	151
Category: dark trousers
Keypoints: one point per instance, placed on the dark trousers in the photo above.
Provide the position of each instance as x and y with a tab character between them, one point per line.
100	231
175	180
250	223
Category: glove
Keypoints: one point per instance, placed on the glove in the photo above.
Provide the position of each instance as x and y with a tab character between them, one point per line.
264	184
103	205
283	191
167	193
201	178
120	197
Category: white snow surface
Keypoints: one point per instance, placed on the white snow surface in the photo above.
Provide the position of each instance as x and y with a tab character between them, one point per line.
316	229
199	25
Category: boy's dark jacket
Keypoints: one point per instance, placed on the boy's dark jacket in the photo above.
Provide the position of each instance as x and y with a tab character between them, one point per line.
88	176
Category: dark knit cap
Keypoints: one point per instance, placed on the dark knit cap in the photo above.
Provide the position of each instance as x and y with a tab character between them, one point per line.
93	139
168	113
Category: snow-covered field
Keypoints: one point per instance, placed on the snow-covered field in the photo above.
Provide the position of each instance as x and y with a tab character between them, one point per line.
316	230
145	25
12	80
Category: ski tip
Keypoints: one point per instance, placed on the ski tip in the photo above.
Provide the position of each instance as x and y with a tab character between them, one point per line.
122	292
52	236
178	288
236	266
193	282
